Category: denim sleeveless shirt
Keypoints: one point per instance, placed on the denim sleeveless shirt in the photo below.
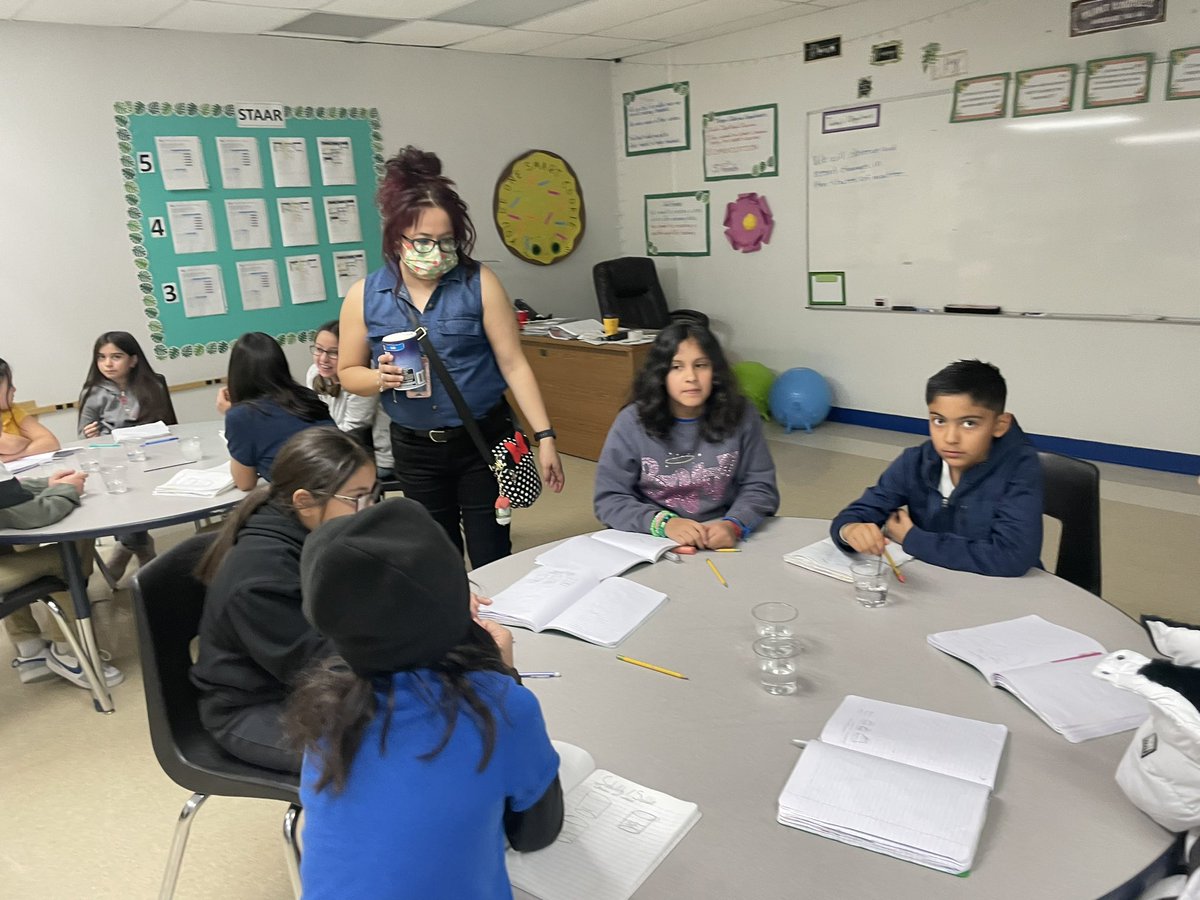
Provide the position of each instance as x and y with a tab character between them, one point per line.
454	319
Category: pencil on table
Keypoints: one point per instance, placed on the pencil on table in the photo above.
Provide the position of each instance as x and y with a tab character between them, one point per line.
720	577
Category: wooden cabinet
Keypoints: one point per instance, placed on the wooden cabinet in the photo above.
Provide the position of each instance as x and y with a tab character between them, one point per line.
584	386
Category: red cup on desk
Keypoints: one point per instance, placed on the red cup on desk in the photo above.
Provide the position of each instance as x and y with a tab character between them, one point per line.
522	318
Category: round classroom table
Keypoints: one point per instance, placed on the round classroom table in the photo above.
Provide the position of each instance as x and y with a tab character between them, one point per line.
1057	824
102	514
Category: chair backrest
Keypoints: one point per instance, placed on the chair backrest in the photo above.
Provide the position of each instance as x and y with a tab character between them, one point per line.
171	418
168	601
628	288
1071	492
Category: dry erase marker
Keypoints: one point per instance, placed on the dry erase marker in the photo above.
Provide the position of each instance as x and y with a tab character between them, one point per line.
717	572
651	667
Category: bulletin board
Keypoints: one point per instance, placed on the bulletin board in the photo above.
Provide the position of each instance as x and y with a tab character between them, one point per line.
209	245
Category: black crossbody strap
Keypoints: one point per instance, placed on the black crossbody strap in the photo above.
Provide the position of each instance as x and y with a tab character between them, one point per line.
439	367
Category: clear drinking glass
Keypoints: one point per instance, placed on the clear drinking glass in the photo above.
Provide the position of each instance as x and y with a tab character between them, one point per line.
775	660
135	452
191	448
114	479
870	581
774	619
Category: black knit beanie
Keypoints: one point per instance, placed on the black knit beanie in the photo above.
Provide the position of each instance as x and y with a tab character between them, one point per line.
387	587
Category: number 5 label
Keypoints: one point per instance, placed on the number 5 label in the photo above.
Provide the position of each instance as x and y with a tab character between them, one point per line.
145	163
170	292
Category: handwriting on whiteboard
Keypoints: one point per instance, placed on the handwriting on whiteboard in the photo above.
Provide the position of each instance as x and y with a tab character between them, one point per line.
856	165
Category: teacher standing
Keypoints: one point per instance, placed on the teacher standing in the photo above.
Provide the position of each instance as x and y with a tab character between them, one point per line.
430	279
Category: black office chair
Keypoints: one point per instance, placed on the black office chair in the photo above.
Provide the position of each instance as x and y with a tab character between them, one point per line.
1071	491
39	591
628	289
168	601
170	418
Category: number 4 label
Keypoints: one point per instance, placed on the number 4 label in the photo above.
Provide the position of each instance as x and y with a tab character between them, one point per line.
170	292
145	163
158	226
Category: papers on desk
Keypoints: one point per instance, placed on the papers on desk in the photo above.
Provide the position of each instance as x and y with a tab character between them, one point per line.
615	833
907	782
28	463
1048	668
141	432
826	558
580	329
197	482
536	327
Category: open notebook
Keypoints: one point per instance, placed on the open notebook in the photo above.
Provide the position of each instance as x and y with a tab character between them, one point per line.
197	482
1049	669
907	782
605	553
615	833
826	558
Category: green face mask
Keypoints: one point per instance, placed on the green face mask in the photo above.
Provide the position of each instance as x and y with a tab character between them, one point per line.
429	266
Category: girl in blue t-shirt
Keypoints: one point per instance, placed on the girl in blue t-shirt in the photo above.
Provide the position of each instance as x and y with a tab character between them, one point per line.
263	407
423	752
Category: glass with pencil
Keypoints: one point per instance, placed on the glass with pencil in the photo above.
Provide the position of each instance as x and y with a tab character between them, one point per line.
870	577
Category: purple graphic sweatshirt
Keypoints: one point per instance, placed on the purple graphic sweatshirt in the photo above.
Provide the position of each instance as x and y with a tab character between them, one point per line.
638	474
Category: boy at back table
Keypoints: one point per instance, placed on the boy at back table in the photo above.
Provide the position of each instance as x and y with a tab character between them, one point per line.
969	498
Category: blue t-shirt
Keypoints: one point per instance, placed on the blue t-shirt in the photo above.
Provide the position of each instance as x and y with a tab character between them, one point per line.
426	829
255	431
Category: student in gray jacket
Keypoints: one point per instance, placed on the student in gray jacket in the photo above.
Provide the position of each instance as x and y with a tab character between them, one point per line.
687	458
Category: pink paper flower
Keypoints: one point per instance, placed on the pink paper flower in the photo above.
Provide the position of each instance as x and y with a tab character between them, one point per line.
748	223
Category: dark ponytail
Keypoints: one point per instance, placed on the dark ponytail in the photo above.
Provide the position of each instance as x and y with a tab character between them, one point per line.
318	460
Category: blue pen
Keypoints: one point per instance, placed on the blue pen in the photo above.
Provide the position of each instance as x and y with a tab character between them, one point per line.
165	440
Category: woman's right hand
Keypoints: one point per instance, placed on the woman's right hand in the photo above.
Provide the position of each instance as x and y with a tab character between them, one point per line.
389	376
223	401
687	532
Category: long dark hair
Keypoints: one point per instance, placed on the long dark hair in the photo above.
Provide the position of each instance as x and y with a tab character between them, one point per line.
318	460
328	712
322	385
725	407
258	370
413	181
144	383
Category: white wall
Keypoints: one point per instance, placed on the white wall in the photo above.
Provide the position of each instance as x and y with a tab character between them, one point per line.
1127	383
65	258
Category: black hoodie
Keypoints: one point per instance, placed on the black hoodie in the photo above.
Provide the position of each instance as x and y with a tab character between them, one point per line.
254	638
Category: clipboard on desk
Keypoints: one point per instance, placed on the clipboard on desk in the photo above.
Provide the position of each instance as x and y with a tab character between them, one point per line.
166	454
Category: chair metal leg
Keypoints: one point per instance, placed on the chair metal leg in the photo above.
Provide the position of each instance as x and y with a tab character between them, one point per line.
186	816
103	567
92	672
290	819
83	618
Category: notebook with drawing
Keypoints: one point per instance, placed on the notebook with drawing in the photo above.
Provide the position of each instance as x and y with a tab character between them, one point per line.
575	601
615	833
607	552
826	558
1049	669
906	782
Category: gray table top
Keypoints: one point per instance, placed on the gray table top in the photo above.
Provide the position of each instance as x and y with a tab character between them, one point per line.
1057	826
102	513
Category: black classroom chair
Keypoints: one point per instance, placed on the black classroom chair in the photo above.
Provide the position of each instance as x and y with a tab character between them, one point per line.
1071	490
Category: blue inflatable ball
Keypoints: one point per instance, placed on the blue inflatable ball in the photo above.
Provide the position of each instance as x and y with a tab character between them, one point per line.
800	398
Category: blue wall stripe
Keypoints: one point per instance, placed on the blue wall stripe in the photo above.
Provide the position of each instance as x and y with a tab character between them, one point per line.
1142	457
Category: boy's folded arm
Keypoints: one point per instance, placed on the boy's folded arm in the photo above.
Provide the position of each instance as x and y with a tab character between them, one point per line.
30	509
877	502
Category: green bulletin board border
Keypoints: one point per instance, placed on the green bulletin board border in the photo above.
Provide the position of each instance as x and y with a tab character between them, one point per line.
137	221
1177	56
771	162
704	197
682	88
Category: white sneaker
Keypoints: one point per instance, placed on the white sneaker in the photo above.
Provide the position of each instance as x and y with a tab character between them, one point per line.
33	668
68	667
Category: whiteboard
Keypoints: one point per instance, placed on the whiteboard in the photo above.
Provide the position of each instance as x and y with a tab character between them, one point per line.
1089	212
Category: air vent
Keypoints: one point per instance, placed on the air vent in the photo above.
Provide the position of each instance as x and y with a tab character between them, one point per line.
333	26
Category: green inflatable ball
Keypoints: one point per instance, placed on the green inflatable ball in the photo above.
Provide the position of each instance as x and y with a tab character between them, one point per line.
755	380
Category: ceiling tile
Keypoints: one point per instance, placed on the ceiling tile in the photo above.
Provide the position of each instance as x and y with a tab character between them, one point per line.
510	40
590	47
127	13
224	18
596	15
694	17
503	12
8	7
797	10
294	5
428	33
391	9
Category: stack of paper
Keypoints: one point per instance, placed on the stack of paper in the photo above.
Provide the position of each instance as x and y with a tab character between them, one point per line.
141	432
581	329
906	782
573	588
1049	669
826	558
197	482
615	833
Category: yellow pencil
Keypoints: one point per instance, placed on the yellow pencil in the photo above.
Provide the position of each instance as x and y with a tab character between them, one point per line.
721	578
891	562
728	550
653	668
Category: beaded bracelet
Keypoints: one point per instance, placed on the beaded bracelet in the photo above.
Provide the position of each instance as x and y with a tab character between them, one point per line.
658	526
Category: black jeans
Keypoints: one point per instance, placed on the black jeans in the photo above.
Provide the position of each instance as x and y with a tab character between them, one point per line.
255	735
451	481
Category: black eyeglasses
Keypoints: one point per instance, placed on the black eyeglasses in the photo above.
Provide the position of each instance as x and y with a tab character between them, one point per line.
318	351
426	245
362	501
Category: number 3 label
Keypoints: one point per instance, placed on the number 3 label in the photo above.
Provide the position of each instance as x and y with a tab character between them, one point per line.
145	163
170	292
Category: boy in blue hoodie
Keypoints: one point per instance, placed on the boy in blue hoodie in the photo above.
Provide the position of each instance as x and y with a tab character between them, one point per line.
970	497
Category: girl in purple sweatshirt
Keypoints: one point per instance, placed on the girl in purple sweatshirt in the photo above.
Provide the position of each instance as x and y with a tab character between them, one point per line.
686	459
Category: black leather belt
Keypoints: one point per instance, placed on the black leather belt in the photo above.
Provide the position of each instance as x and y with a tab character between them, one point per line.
497	415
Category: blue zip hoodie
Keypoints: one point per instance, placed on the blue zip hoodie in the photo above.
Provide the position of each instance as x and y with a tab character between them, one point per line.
991	524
